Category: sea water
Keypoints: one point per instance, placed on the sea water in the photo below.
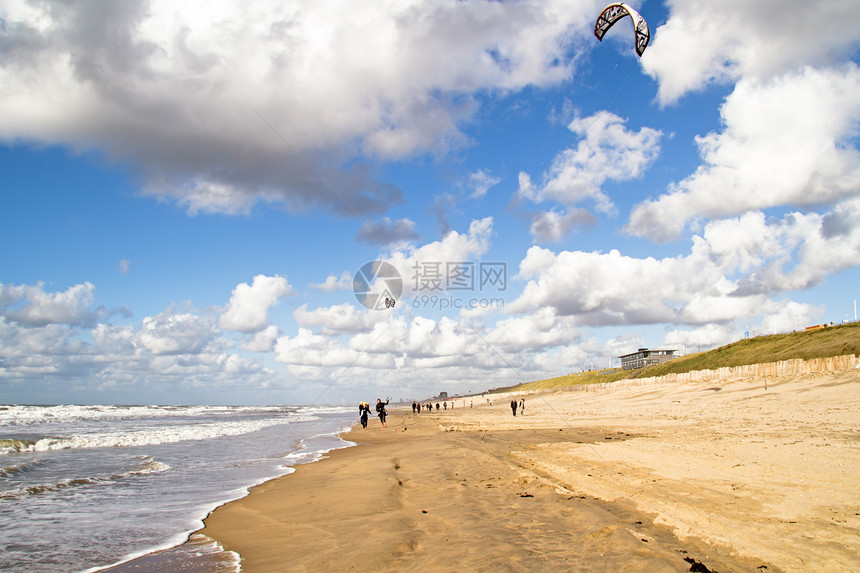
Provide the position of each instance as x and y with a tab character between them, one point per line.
85	487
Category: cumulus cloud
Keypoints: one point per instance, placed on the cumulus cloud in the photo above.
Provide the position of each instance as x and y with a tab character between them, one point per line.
532	333
219	107
173	346
339	319
307	348
30	305
263	340
787	141
426	268
176	333
248	309
733	270
334	283
34	351
714	42
432	351
607	151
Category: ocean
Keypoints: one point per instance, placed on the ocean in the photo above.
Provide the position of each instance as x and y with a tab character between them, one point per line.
86	487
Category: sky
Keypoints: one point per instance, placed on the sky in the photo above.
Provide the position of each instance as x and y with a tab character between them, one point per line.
327	201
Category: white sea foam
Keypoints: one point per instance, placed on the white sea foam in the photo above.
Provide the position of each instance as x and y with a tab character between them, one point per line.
17	415
11	446
222	425
302	455
160	435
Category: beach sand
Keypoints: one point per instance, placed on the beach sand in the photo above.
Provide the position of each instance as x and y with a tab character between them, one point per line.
637	478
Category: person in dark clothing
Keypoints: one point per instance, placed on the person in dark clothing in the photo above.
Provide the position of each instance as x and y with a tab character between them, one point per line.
380	410
363	412
514	406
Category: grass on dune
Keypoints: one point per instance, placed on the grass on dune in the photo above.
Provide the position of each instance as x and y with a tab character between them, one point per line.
819	343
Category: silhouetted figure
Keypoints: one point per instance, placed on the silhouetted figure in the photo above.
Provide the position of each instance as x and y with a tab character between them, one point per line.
380	410
363	412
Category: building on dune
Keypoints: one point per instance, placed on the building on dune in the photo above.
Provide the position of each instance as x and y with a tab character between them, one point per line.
646	357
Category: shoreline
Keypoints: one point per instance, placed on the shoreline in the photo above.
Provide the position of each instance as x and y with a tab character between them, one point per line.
732	475
390	517
735	475
198	553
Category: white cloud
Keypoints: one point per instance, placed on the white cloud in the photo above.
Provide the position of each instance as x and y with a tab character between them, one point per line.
248	310
425	353
425	267
607	151
180	351
532	333
706	42
772	317
32	306
732	271
788	141
263	341
309	349
271	89
33	350
174	333
480	182
333	320
335	283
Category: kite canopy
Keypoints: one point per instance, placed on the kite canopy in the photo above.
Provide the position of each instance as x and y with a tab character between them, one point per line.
615	12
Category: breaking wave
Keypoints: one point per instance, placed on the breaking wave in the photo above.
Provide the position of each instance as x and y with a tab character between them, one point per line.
147	465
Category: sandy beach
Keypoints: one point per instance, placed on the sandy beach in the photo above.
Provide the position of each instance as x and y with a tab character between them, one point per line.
735	476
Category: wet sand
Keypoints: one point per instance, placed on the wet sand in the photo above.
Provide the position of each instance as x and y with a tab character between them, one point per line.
641	478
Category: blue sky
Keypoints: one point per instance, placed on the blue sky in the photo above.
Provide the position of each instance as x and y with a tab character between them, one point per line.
189	190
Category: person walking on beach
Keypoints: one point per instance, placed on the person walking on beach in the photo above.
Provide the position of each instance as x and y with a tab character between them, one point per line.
380	410
413	407
522	406
514	406
363	412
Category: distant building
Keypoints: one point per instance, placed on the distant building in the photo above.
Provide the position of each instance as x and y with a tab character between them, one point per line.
646	357
443	395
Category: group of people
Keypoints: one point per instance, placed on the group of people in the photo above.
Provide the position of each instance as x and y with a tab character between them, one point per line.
521	404
416	407
364	412
364	409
